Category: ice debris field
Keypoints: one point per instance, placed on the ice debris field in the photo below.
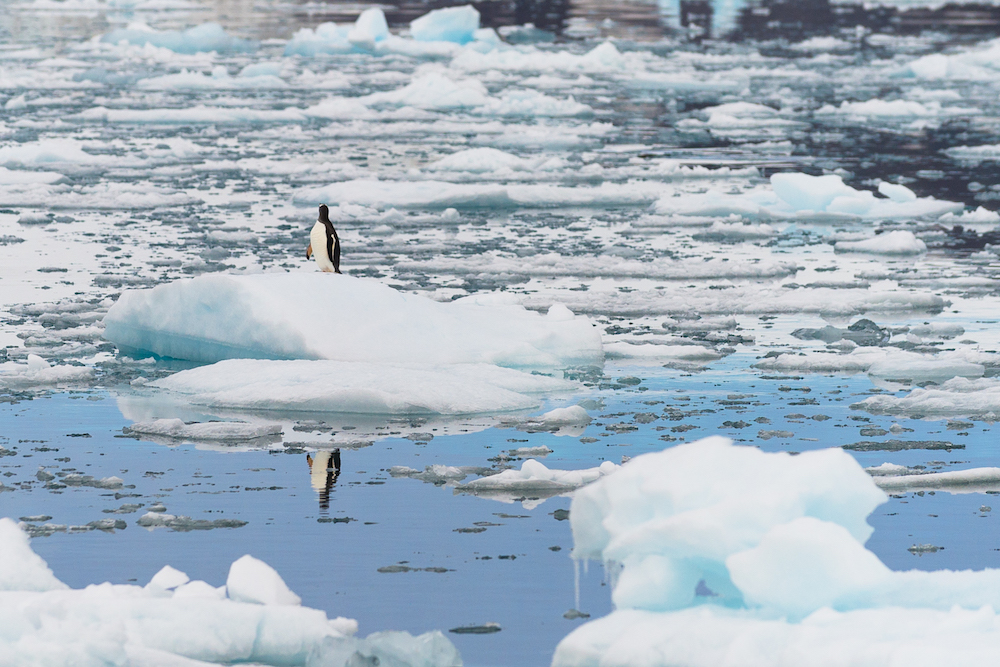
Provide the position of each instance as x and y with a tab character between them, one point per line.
717	317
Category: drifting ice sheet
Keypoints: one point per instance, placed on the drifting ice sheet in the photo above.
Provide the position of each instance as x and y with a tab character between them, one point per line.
325	316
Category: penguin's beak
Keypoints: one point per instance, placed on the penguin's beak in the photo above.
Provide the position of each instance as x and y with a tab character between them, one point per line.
309	251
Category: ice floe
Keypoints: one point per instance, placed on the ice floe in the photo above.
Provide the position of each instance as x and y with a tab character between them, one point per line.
534	482
359	387
319	316
173	621
959	396
900	478
212	431
205	37
39	373
776	548
887	363
802	195
897	242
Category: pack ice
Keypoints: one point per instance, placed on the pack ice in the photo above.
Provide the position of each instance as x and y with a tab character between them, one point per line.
175	621
718	544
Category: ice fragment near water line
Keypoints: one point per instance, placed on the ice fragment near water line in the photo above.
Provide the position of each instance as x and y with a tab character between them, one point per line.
451	24
896	242
253	580
167	578
20	568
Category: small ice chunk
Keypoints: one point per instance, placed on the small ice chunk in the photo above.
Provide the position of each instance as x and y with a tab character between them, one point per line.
168	578
253	580
451	24
571	416
898	242
897	193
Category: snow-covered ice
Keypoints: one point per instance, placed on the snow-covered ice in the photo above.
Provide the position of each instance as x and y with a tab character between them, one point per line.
180	622
358	387
213	431
318	316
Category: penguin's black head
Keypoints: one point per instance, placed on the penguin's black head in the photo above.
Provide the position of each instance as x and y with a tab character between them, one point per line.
324	213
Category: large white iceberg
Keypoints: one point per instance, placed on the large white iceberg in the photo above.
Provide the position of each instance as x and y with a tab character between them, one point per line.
255	619
337	317
728	551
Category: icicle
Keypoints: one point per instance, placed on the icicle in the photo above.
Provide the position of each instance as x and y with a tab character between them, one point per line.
576	583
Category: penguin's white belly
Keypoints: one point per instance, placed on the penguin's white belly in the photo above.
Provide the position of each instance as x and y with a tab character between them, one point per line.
317	237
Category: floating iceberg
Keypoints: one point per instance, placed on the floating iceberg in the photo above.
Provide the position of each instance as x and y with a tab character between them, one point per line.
359	387
327	38
972	480
534	482
39	373
173	621
958	396
762	546
211	431
886	363
438	33
319	316
369	28
451	24
205	37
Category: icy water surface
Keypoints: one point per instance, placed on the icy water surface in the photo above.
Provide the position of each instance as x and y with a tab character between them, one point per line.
628	180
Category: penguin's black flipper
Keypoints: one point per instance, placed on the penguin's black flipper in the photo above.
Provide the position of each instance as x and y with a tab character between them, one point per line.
336	254
329	243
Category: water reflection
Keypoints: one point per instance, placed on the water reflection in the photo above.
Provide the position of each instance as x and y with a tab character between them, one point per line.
324	469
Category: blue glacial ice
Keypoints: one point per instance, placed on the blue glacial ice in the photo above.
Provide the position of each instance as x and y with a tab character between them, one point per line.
723	550
451	24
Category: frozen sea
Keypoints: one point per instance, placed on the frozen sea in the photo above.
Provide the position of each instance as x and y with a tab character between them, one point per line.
793	244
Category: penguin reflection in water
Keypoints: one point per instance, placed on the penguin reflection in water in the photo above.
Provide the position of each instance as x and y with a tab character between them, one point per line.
324	242
324	469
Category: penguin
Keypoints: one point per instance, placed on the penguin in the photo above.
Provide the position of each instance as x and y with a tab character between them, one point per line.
324	236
